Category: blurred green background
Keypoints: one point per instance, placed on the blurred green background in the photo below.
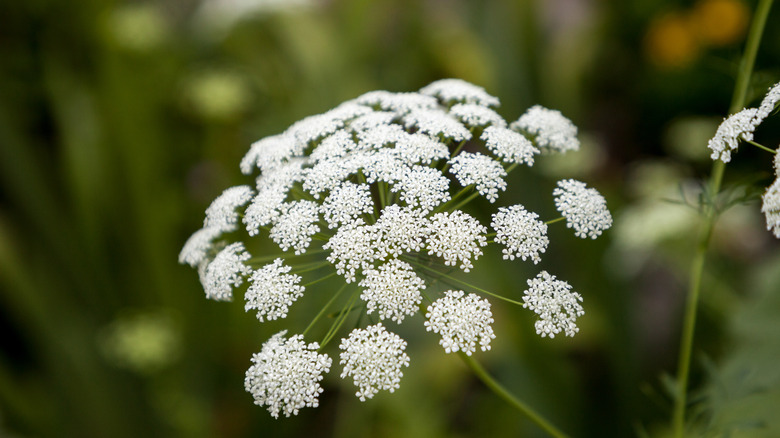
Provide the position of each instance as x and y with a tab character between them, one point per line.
121	121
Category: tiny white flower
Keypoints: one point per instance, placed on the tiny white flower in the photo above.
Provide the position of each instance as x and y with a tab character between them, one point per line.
473	115
225	272
401	229
382	165
462	321
346	202
437	123
770	206
521	231
282	177
197	247
400	103
422	187
296	225
420	149
458	90
317	127
269	153
372	119
285	375
584	208
328	174
353	248
381	136
393	289
484	172
456	237
374	358
272	291
264	209
550	130
736	127
510	146
334	146
222	212
768	104
557	306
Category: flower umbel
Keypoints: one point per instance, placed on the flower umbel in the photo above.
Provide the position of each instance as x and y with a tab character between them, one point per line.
373	357
463	321
557	306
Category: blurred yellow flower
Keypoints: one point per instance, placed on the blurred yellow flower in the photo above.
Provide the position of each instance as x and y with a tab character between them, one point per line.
720	22
670	41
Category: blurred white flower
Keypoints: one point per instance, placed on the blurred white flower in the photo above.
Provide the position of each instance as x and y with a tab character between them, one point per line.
459	91
225	272
222	212
770	206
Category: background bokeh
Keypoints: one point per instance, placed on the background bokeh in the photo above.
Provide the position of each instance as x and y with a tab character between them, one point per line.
121	120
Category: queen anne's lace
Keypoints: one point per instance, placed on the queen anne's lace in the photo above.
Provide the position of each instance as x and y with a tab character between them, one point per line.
285	375
222	211
296	225
393	289
456	237
197	247
770	206
509	145
458	90
373	357
437	123
549	129
345	203
557	306
473	115
521	232
462	321
225	272
484	172
264	209
584	208
273	291
734	128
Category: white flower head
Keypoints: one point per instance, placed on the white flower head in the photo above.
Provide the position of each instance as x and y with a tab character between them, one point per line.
521	232
584	208
381	136
550	130
477	116
422	187
736	127
420	149
225	272
346	203
269	153
456	237
328	174
374	358
393	289
371	120
462	321
510	146
264	209
334	146
768	104
296	225
401	229
272	291
285	375
399	103
437	123
284	176
353	248
197	247
557	306
458	90
770	206
222	211
484	172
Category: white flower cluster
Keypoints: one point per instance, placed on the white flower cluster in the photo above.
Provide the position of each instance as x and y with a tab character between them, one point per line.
557	306
584	208
369	184
740	126
286	374
463	321
373	357
770	206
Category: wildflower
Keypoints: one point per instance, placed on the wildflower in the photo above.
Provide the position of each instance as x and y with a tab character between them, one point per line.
462	321
268	153
264	209
401	229
549	129
222	211
345	203
436	123
457	90
422	187
473	115
285	374
225	272
736	127
509	145
393	289
521	232
373	357
770	206
353	248
420	149
768	104
584	208
296	225
273	291
399	103
197	247
557	306
456	237
478	169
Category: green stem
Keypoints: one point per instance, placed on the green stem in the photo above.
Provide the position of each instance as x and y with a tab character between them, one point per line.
500	391
470	286
313	282
454	153
555	220
325	308
710	213
762	147
342	316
